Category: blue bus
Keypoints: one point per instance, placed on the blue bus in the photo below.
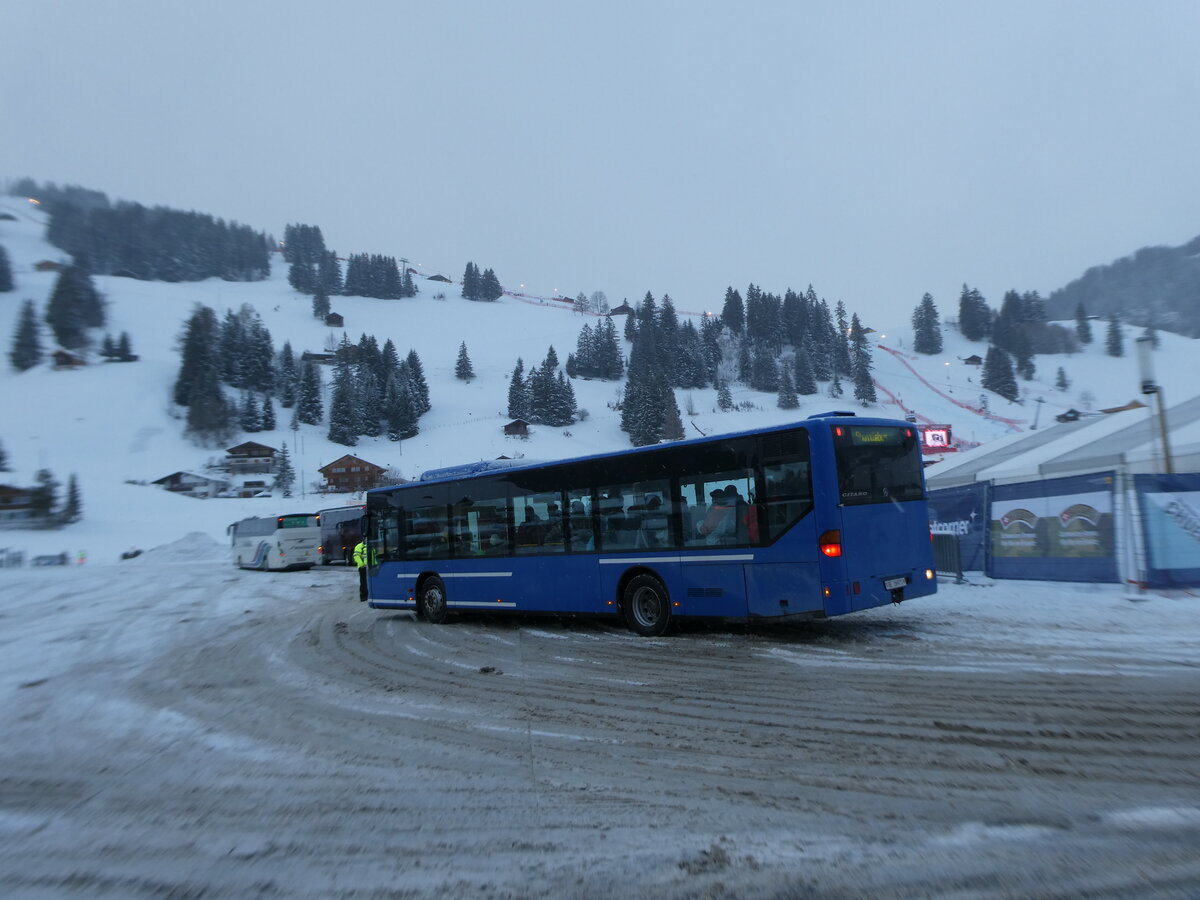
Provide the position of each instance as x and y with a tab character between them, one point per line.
818	518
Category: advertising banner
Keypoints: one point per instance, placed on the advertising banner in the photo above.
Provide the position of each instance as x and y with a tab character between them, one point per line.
1170	506
962	512
1059	529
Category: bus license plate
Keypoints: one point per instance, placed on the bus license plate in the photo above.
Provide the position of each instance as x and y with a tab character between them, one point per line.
892	583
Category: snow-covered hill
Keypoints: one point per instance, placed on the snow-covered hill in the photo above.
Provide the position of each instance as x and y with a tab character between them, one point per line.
113	426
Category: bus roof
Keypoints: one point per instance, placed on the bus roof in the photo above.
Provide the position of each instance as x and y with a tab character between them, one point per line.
480	467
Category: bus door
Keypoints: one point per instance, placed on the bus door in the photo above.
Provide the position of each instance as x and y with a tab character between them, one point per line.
785	578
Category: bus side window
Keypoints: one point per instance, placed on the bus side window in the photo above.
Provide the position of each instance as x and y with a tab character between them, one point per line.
789	496
579	519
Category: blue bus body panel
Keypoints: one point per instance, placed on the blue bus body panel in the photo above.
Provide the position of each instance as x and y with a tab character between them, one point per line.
877	548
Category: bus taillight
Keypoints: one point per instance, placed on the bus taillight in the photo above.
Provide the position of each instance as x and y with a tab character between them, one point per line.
831	543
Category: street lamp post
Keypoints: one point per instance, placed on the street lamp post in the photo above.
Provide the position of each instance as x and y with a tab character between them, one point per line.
1145	345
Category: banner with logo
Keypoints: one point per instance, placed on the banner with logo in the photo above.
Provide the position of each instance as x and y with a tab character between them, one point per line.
1059	529
962	512
1170	506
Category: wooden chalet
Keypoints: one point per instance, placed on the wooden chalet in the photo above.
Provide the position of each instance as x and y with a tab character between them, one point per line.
64	359
350	473
441	278
335	320
323	359
974	360
517	427
16	506
250	458
192	484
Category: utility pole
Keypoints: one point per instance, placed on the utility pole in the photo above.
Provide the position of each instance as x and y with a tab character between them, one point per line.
1039	401
1145	345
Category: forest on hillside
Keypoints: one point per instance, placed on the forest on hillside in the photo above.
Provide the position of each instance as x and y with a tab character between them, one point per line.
1156	287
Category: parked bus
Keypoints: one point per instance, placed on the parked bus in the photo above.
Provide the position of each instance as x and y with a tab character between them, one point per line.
276	542
341	529
819	518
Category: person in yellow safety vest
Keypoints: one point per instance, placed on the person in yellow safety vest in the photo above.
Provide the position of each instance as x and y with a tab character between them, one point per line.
362	555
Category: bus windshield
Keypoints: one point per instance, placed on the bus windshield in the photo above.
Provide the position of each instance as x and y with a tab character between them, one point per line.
877	464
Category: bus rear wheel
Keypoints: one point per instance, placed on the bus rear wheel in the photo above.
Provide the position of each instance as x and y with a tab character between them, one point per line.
646	606
431	604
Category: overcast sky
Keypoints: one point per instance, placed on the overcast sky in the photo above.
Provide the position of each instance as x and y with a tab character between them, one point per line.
875	150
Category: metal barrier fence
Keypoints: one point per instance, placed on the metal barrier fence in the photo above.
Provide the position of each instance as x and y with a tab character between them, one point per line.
947	558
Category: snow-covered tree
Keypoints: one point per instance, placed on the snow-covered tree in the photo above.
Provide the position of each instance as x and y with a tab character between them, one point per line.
463	370
285	475
927	327
27	343
1114	342
6	276
787	390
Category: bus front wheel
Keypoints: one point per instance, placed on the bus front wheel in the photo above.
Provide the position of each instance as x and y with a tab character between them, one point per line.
647	607
432	604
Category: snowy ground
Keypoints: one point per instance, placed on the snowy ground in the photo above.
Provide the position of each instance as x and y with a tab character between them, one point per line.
174	727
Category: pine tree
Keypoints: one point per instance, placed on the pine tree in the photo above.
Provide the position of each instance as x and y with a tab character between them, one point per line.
124	349
268	414
470	282
724	398
309	405
27	343
250	418
285	475
75	306
787	390
329	274
462	368
1114	343
842	360
210	416
864	384
646	388
1062	382
518	395
998	374
44	497
805	382
400	408
489	286
733	313
289	377
974	317
1083	328
320	304
72	510
369	396
6	276
927	327
420	387
672	422
343	410
4	460
198	353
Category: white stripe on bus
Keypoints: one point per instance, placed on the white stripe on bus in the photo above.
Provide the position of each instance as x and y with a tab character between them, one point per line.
733	557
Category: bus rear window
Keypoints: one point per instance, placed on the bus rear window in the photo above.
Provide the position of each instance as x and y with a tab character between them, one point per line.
877	464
